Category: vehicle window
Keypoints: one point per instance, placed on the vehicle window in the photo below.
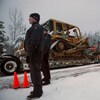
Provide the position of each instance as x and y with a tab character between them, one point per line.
72	34
58	27
49	25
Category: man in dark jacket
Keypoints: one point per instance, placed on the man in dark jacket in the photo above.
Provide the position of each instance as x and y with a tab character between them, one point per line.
34	46
45	63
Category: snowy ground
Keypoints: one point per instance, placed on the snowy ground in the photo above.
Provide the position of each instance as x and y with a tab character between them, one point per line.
81	83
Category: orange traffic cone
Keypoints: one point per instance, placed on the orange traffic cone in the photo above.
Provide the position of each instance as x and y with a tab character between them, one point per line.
25	83
15	81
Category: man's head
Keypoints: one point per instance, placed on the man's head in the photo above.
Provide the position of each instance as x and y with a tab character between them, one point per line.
34	17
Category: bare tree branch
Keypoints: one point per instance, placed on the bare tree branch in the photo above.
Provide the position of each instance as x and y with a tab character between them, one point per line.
16	26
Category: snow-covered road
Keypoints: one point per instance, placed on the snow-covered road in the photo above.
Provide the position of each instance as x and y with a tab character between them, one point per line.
79	83
6	81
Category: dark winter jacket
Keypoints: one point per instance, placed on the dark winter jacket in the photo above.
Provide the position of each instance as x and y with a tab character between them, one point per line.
47	42
34	40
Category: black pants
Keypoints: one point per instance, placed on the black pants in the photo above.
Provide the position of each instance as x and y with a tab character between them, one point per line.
35	70
45	67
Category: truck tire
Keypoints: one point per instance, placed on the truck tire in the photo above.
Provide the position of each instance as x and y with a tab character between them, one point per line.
9	66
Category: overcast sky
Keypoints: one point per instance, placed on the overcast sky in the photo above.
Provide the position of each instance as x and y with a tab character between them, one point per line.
83	13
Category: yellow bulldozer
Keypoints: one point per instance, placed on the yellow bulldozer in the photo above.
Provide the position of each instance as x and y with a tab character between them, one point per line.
68	46
66	41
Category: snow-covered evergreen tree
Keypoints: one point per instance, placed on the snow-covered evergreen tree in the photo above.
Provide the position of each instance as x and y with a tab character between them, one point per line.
2	38
16	44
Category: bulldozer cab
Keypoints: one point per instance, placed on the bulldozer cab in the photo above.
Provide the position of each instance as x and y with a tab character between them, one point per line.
59	29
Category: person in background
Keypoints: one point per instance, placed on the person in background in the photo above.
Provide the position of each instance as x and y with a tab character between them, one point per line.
45	63
34	46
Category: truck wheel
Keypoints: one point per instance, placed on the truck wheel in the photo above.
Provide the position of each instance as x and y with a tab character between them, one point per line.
9	66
